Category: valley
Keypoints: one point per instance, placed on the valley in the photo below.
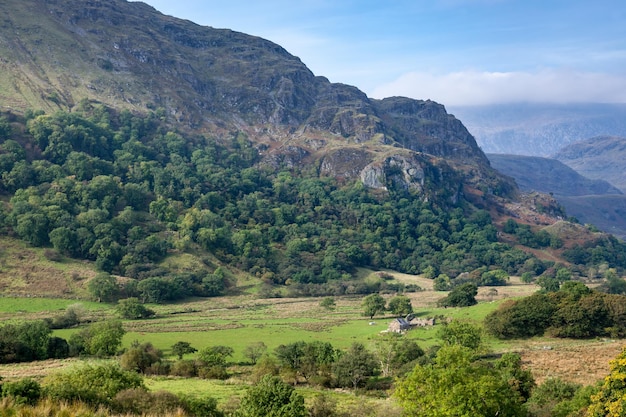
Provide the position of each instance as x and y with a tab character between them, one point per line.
192	223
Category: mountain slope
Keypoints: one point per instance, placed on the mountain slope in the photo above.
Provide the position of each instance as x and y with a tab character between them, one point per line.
548	176
601	157
127	55
590	201
163	139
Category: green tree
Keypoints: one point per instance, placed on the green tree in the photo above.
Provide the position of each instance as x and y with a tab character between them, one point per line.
462	296
33	228
216	355
496	277
181	348
316	361
130	308
254	351
99	339
442	283
23	342
139	357
213	360
355	366
527	317
400	305
456	385
271	397
103	287
462	333
373	304
395	352
91	384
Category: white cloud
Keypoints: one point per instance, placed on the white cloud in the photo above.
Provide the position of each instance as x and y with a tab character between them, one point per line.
476	88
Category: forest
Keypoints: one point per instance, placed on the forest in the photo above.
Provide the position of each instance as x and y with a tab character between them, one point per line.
124	190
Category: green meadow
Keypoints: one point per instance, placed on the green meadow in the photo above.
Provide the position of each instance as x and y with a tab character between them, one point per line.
15	305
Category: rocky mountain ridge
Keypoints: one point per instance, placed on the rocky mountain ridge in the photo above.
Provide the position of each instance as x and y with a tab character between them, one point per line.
57	53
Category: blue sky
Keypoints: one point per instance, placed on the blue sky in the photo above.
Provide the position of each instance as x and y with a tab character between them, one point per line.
452	51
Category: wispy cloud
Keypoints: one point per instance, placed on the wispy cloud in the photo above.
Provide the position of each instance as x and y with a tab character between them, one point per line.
476	88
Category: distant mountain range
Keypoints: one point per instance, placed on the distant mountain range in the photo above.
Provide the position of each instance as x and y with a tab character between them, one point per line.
539	129
590	201
601	157
549	176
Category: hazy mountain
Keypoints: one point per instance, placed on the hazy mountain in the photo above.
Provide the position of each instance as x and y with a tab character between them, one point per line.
601	157
548	176
590	201
539	129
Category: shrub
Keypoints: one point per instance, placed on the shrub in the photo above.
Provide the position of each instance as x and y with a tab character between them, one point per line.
185	368
462	296
141	402
206	407
99	339
132	309
23	391
94	385
140	357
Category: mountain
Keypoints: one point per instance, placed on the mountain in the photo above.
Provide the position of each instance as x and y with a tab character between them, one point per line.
601	157
590	201
539	129
181	157
548	176
57	53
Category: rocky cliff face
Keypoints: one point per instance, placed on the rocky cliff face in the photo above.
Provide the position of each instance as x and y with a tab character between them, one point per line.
126	54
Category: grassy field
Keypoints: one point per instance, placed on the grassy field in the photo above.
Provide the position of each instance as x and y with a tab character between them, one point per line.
238	321
15	305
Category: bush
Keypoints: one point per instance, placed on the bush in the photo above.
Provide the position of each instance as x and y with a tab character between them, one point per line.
141	402
132	309
159	368
99	339
94	385
213	372
462	296
139	358
186	368
24	391
205	407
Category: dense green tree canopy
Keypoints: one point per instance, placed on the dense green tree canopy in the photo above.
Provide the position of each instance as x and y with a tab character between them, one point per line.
456	385
373	304
271	397
124	190
574	311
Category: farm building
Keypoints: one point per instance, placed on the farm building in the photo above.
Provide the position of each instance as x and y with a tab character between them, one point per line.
400	325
